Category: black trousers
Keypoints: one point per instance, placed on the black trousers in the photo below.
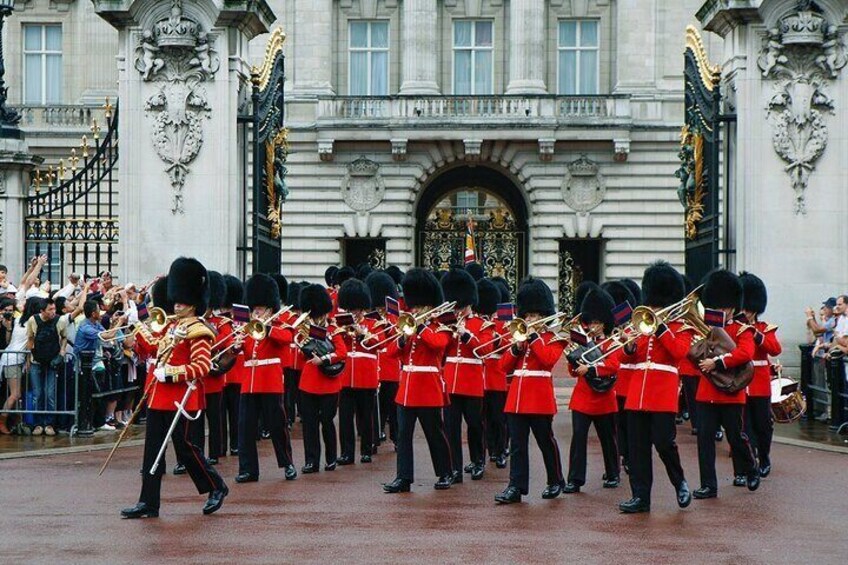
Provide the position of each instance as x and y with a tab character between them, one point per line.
729	416
520	426
388	410
690	387
317	412
434	432
292	394
605	428
759	426
213	421
469	408
270	407
356	408
204	476
230	417
621	429
656	429
494	421
196	431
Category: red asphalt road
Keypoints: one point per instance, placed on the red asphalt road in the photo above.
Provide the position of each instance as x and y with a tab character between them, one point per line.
56	509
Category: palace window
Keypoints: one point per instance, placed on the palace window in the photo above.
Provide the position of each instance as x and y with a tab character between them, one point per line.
473	53
42	64
578	49
369	58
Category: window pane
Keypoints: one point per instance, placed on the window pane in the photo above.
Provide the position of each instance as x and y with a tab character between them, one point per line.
567	34
589	34
32	38
484	34
32	79
588	72
359	74
379	73
359	34
483	73
567	72
54	79
54	38
462	72
380	34
462	33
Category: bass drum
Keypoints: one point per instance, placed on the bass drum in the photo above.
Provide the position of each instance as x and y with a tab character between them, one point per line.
787	402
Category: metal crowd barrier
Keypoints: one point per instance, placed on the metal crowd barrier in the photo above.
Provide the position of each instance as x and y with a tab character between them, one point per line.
817	395
838	395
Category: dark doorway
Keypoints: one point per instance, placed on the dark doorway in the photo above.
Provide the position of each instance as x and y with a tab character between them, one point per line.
579	260
370	250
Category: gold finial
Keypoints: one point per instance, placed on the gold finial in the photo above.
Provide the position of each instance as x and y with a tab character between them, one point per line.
73	160
84	146
108	108
95	130
61	169
37	181
50	175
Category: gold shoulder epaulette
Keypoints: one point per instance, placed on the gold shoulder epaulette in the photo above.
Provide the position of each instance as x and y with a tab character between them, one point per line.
770	328
744	327
486	325
198	328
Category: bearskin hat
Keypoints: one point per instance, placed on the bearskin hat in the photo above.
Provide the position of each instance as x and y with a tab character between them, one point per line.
293	296
534	296
342	275
488	297
597	307
421	288
262	290
619	292
395	272
217	290
188	283
159	294
503	286
754	294
634	290
476	270
330	275
363	270
354	295
315	300
282	284
235	290
381	285
582	290
722	289
459	286
662	285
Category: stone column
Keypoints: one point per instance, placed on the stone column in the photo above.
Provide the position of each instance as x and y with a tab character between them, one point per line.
420	46
312	48
635	60
527	53
178	163
15	163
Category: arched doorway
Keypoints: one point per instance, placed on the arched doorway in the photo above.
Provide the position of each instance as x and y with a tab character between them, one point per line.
499	215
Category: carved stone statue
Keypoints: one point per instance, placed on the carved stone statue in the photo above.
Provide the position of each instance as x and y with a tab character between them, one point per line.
148	63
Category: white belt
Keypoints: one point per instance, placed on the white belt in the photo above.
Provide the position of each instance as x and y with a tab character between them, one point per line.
760	363
293	346
262	362
420	369
464	361
361	355
526	373
629	366
496	357
655	367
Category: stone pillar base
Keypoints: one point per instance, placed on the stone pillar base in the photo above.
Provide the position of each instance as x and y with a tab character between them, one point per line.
526	86
423	87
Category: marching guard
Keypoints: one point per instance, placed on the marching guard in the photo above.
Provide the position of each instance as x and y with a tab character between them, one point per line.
494	377
381	286
183	359
232	378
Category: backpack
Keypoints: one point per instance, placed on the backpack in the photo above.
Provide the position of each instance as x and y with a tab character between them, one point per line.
46	345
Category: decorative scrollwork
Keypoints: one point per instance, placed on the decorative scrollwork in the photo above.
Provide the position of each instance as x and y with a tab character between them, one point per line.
693	186
276	151
570	277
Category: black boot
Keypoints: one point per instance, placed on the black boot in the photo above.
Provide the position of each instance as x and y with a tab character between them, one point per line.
330	466
570	488
468	468
753	480
456	477
704	493
216	500
739	481
510	495
397	485
719	435
611	482
291	472
140	510
365	458
500	462
552	491
345	460
684	496
213	460
635	506
246	478
477	472
309	468
445	482
179	469
765	467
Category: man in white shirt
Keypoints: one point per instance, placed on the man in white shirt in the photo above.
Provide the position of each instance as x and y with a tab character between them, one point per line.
840	333
69	289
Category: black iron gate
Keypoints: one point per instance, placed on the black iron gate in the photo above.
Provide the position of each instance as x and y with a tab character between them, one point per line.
699	157
270	149
72	207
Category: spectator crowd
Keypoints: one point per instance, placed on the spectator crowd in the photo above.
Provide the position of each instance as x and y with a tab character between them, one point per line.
828	331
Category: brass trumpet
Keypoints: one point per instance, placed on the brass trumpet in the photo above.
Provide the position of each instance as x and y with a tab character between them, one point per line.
257	329
518	330
158	322
407	324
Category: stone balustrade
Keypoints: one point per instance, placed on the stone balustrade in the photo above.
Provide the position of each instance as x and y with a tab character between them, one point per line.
76	116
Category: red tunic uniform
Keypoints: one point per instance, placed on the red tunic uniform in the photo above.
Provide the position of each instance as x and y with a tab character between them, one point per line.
263	361
654	380
287	355
361	367
765	345
190	360
463	370
743	335
686	367
588	401
313	380
494	377
421	383
224	327
532	388
388	367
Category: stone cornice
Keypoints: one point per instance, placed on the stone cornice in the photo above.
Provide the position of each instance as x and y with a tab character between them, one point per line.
721	16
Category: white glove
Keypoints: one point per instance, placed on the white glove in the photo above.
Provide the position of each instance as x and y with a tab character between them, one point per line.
159	373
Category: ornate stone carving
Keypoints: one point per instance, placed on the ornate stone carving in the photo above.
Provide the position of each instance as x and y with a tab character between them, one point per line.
473	149
583	186
325	149
622	149
178	55
363	187
399	149
801	56
547	146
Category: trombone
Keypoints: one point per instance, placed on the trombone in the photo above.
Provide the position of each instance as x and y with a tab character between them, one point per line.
257	329
519	330
407	323
158	322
